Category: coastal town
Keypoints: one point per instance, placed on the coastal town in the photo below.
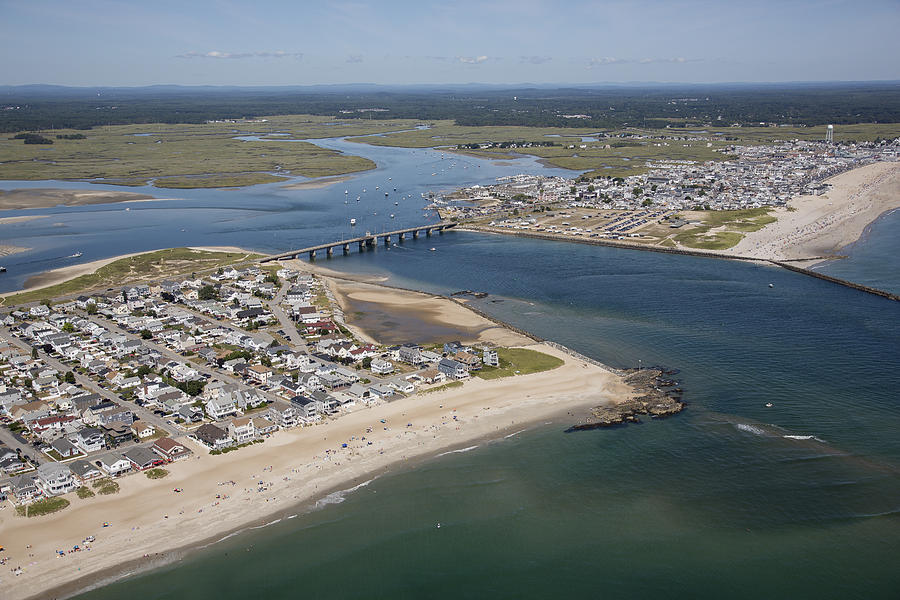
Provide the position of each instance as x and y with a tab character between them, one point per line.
748	177
101	386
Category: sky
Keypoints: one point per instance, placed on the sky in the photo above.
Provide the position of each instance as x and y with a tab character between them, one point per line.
301	42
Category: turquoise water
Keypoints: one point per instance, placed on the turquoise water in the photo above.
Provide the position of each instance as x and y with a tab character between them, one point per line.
730	498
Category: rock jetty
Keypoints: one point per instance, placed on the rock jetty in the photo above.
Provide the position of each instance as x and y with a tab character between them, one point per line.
655	395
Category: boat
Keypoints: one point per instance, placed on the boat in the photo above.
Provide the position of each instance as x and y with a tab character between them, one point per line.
76	255
2	269
396	204
771	285
392	215
769	405
432	249
353	221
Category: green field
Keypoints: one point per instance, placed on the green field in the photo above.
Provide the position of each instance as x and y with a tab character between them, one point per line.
519	361
181	156
734	224
143	267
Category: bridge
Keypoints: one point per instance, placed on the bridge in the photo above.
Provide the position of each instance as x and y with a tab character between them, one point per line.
369	240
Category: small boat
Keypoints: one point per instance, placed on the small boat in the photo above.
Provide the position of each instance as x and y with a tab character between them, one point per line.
2	269
385	194
432	249
392	215
396	204
353	221
76	255
769	405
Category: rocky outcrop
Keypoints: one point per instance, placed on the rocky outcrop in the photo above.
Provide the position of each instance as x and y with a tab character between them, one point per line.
655	395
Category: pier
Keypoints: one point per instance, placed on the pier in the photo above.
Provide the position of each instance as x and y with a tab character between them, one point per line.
369	240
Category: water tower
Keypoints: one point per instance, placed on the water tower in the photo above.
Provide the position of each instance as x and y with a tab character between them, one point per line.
829	134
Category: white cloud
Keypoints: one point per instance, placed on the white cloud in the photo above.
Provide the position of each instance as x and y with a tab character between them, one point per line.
471	60
603	61
234	55
535	60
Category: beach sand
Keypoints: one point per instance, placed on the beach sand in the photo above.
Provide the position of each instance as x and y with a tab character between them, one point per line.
819	226
315	184
296	466
45	198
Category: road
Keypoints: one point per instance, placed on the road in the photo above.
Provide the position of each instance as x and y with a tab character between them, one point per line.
89	384
287	325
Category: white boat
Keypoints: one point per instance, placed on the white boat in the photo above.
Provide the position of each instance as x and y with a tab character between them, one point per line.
392	215
76	255
353	221
432	249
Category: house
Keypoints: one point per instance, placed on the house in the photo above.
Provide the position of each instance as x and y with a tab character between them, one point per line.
453	369
307	408
381	367
259	373
283	415
117	432
263	426
142	429
64	448
24	488
472	362
54	479
490	358
410	355
89	439
242	430
212	437
219	408
170	450
84	471
432	376
142	459
190	414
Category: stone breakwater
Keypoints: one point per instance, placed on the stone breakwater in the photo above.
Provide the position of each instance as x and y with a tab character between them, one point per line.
651	398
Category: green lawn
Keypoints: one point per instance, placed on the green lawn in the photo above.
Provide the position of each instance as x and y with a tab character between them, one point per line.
44	506
441	388
519	361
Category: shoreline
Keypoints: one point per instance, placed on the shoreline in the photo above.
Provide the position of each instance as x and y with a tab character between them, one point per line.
316	467
316	184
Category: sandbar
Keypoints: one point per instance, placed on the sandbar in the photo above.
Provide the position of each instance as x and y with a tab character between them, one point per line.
48	197
315	184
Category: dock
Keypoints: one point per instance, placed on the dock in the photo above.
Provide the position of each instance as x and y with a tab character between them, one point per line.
369	240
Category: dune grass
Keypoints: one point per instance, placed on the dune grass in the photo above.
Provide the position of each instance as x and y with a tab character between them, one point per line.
44	506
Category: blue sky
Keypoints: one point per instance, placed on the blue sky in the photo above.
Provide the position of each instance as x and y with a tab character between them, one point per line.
106	42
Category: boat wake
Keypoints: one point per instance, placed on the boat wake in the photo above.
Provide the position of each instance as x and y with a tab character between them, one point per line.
803	437
745	427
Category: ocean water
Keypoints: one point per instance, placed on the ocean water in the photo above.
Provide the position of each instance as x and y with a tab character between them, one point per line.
728	499
872	260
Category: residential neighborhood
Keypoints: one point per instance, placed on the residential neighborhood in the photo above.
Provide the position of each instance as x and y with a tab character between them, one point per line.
106	385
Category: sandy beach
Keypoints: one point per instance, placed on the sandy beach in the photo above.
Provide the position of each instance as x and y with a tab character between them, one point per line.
295	467
819	226
45	198
22	219
315	184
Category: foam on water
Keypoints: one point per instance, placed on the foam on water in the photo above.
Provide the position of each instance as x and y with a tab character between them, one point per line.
340	495
457	451
746	427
